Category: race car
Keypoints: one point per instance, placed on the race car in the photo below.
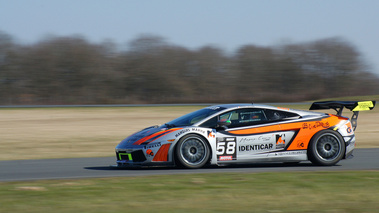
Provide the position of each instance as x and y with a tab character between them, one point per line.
246	133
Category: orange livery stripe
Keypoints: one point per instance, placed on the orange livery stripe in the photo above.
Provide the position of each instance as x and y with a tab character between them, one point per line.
162	154
305	130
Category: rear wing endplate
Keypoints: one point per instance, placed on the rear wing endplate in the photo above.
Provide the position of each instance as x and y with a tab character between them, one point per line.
354	106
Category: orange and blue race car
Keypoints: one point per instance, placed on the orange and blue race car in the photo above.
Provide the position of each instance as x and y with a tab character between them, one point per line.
246	133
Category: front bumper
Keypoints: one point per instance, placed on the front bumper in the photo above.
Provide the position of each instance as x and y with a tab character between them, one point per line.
130	157
138	158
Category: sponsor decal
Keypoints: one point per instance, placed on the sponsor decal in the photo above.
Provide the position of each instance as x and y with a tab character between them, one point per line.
198	130
226	148
149	152
280	141
150	146
181	132
247	140
255	147
290	153
264	138
253	139
315	125
300	144
224	158
364	105
211	134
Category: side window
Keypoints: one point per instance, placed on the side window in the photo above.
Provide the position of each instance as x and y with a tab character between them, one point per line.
275	115
251	116
244	117
232	116
247	117
212	123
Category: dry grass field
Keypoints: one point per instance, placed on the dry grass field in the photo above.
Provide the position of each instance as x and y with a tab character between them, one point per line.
40	133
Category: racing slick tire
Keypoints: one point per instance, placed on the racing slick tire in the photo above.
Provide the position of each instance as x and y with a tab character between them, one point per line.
192	151
326	148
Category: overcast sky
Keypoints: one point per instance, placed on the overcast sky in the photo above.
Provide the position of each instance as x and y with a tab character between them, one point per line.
228	24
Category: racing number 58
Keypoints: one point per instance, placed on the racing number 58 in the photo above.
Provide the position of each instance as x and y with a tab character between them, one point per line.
228	148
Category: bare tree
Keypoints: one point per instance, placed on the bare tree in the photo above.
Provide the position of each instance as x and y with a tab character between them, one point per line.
71	70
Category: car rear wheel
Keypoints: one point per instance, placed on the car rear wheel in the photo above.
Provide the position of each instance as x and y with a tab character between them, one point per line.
192	151
326	148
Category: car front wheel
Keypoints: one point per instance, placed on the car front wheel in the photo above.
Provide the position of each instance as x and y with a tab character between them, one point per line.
192	151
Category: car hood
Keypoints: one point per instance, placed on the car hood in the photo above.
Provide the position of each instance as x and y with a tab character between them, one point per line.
146	136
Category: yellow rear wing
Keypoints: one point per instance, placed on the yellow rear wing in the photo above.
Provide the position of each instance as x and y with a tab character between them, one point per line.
354	106
364	106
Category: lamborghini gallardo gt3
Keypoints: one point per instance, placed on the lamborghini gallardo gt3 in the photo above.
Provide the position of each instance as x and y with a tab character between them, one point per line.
246	133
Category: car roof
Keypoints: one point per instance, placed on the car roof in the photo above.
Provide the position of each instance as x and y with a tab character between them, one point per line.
243	105
263	106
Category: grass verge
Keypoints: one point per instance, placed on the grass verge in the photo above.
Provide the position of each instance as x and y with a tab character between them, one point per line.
226	192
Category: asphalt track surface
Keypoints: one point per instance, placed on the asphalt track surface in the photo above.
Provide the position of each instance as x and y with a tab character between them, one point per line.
26	170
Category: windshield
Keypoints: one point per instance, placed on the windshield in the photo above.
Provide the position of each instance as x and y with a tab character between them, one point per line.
194	117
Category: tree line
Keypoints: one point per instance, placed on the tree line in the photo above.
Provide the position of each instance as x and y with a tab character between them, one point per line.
72	70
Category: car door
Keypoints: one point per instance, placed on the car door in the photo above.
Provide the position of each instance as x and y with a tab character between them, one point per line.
252	134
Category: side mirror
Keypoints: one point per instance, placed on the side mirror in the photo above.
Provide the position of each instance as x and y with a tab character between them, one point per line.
223	124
